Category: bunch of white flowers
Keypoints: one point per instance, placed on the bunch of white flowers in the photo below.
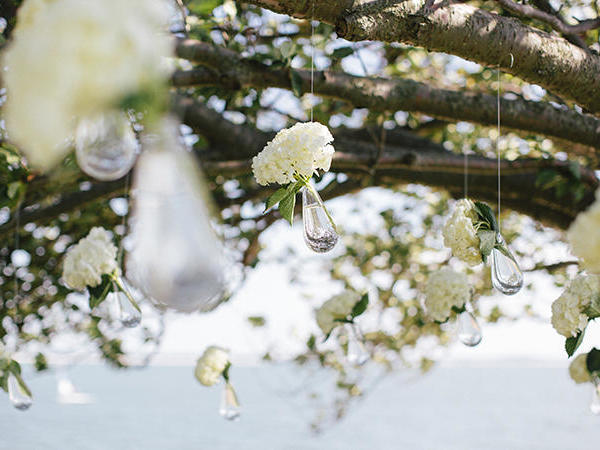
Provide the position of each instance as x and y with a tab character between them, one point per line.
460	234
584	236
578	370
93	256
211	365
568	310
445	289
300	150
337	307
75	58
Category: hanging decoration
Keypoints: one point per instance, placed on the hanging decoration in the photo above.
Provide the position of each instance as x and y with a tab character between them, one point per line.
343	309
106	146
212	366
12	383
585	368
290	159
176	258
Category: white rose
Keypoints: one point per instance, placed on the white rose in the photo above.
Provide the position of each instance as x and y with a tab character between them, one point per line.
92	257
584	236
302	149
460	235
210	365
578	370
337	307
445	289
568	317
75	58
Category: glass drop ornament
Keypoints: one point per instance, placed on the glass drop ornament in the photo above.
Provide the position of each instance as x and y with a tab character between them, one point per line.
319	232
175	259
357	352
129	315
506	273
469	331
230	406
595	404
105	146
18	395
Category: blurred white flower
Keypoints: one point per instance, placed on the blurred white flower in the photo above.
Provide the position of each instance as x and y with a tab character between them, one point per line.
584	236
443	290
460	234
337	307
302	149
93	256
210	365
568	317
578	370
74	58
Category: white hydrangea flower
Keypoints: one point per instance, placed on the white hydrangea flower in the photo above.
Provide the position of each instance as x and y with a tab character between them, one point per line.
460	235
443	290
584	236
302	149
210	365
93	256
337	307
75	58
578	370
568	317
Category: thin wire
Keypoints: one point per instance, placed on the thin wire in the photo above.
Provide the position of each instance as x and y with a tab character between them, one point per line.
497	145
312	59
466	172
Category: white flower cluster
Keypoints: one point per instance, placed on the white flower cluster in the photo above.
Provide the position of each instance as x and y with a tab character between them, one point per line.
302	149
578	370
337	307
75	58
210	365
568	317
584	236
460	234
92	257
445	289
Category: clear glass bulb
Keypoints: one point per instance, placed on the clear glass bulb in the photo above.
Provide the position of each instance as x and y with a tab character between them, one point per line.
176	258
319	233
595	404
106	146
469	331
506	273
129	316
18	395
357	352
230	406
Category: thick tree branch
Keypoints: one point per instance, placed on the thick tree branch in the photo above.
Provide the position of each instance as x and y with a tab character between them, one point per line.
466	31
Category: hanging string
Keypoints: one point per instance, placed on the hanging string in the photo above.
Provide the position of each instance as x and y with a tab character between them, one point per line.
312	58
497	145
466	172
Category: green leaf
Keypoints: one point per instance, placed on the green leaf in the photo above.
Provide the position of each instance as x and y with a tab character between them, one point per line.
286	207
226	371
342	52
99	293
279	195
360	306
13	189
203	7
14	367
547	178
572	343
487	240
592	360
296	80
575	169
312	342
287	49
486	214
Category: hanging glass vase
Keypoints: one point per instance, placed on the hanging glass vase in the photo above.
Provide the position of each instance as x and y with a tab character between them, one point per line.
469	331
230	406
319	231
175	259
357	353
129	314
506	273
19	395
595	404
105	146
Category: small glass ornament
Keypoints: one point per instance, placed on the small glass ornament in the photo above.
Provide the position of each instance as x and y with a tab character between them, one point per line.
595	404
176	259
230	406
106	146
506	273
469	331
357	352
319	231
19	395
129	314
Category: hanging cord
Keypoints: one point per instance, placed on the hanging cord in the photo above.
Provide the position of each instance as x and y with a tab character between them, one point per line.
498	146
312	59
466	173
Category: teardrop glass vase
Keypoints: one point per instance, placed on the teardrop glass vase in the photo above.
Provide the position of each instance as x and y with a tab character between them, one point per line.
469	331
595	404
357	352
129	315
176	258
319	232
106	146
18	394
230	406
506	273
